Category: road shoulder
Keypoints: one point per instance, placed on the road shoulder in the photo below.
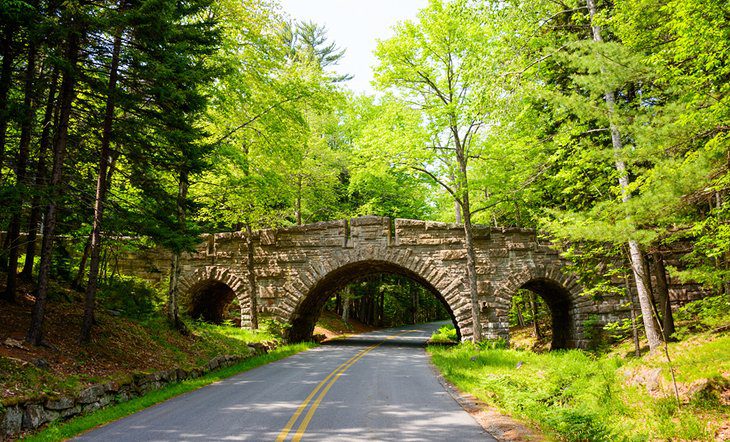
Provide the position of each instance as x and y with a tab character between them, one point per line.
500	426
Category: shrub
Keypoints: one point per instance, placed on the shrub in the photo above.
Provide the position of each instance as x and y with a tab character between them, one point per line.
446	333
703	314
130	296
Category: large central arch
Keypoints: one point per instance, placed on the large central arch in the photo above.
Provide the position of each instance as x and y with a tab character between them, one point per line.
309	308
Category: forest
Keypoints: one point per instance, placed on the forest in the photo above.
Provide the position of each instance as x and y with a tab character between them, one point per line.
603	124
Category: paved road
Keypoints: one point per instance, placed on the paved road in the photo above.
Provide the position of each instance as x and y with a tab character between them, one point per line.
375	386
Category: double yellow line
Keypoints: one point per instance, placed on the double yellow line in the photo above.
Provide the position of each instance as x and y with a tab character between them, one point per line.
322	388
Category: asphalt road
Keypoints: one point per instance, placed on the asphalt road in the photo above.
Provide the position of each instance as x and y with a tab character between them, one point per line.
375	386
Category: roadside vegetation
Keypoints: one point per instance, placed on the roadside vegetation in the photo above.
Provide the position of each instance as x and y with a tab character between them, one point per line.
608	394
129	339
74	427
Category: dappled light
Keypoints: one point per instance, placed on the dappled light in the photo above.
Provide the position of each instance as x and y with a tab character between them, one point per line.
542	308
332	286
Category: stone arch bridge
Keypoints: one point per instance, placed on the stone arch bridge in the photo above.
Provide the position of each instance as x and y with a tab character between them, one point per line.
289	273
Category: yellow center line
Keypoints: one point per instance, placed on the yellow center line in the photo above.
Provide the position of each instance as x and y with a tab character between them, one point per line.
290	424
332	379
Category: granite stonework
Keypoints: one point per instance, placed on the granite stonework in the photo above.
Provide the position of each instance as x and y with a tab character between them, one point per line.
28	414
296	269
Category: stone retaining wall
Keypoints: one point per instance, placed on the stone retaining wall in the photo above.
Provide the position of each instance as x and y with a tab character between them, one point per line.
29	414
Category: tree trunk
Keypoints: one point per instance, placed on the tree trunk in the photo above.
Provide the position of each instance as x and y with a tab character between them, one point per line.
535	324
414	304
634	326
173	308
471	256
299	200
381	309
101	188
471	259
76	284
346	303
6	72
662	294
635	253
26	131
40	179
520	318
253	297
651	328
35	332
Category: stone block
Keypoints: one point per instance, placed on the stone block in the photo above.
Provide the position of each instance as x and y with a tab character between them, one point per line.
11	421
181	374
106	400
59	404
452	255
90	408
68	412
91	394
36	415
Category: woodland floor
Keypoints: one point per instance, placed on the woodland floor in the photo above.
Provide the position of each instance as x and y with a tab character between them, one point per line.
119	346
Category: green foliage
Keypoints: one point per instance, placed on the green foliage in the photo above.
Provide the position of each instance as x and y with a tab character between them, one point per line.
445	333
618	330
568	393
129	296
274	328
577	396
703	314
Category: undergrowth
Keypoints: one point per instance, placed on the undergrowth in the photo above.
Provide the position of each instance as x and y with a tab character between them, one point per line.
446	333
575	395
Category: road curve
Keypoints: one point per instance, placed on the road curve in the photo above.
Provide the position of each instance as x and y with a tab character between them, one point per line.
375	386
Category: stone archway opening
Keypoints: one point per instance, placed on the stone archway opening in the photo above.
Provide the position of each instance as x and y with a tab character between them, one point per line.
310	308
544	307
211	301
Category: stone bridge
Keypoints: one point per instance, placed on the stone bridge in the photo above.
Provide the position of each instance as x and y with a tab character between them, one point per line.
293	271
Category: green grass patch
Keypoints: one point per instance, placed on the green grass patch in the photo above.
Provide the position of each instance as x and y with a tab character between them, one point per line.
64	430
579	396
445	334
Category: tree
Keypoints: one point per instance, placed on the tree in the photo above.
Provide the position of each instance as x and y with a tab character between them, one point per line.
28	116
436	65
101	181
75	24
636	254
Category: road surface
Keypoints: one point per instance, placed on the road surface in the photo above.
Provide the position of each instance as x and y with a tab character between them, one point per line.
376	386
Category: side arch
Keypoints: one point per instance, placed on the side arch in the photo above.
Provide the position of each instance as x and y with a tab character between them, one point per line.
206	292
309	289
560	292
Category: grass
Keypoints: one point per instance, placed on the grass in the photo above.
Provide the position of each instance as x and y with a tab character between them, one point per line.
444	334
579	396
76	426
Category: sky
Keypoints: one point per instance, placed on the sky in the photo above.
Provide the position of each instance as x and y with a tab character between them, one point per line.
355	25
